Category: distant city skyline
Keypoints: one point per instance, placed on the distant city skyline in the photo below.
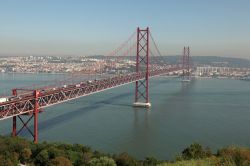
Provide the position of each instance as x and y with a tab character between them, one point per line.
64	27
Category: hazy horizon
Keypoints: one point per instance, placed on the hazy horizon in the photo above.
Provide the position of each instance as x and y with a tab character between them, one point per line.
82	28
39	55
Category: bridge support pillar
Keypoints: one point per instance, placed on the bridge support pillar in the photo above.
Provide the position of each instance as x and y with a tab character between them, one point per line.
186	65
14	93
14	126
142	68
25	121
35	113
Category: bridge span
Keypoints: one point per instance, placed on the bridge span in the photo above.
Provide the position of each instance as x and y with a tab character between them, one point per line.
33	101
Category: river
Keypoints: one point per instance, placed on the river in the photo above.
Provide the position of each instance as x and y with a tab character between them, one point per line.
212	112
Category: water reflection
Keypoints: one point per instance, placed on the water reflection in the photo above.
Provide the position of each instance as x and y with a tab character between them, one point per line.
145	116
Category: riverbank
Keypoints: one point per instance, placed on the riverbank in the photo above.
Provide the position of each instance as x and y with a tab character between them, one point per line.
15	151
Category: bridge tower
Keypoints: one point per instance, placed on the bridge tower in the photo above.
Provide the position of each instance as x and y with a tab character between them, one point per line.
186	64
142	67
25	121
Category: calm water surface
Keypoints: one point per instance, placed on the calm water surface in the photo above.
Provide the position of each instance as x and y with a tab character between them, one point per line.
212	112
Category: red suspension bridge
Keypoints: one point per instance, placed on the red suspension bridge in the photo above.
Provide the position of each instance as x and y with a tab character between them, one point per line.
149	62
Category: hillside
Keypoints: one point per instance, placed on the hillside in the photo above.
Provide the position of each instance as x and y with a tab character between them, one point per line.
15	151
213	61
203	60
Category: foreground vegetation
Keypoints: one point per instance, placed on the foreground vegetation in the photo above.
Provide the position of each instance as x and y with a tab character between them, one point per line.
16	151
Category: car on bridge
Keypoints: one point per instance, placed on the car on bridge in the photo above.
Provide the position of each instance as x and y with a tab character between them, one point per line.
4	99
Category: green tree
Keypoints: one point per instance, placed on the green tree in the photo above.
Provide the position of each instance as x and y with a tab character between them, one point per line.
54	152
61	161
84	159
195	151
42	158
102	161
4	161
25	155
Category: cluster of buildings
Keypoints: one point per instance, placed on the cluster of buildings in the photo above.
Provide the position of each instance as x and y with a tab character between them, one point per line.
220	72
50	64
101	64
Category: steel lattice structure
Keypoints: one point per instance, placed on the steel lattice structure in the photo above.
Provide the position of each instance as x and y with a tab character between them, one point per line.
186	63
142	63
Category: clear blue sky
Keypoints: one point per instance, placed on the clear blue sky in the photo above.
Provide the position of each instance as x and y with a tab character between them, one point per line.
87	27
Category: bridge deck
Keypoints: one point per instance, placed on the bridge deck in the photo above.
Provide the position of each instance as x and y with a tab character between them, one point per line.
24	104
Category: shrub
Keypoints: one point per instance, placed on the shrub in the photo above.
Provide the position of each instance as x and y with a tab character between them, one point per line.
195	151
102	161
150	161
125	160
61	161
238	156
25	155
42	158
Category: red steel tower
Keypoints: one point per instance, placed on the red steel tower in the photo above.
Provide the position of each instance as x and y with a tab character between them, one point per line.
142	67
32	115
186	64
